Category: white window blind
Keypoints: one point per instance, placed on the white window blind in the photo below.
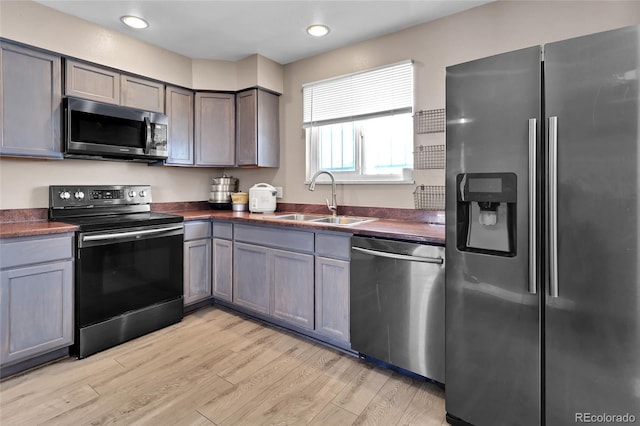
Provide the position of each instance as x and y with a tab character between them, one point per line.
380	91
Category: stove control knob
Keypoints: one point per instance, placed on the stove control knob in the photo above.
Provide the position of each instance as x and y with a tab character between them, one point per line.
143	193
79	195
132	193
64	195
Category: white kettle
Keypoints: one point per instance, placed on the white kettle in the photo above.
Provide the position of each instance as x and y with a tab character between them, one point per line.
262	198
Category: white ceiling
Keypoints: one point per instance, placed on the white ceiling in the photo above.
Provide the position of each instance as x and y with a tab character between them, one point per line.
232	30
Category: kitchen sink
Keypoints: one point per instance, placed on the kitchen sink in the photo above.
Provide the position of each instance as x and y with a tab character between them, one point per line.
343	220
299	217
318	218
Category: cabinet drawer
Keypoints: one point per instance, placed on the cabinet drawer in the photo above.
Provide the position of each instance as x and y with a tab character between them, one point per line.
197	230
335	246
223	230
278	238
31	250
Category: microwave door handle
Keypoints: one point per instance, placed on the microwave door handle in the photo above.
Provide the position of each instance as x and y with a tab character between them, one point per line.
147	135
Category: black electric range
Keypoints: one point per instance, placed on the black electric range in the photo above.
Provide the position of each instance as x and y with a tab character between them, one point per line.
128	263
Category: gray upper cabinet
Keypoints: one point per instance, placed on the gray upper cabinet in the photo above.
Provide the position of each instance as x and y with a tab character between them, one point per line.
36	296
91	82
215	129
257	128
30	102
141	93
179	109
100	84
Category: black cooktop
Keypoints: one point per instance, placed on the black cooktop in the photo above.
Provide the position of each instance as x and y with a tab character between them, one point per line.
117	221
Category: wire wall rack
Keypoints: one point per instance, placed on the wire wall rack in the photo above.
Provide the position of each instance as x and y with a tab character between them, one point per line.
429	121
429	197
429	157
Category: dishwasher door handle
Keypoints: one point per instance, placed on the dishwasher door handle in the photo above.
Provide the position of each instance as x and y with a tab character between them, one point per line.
437	260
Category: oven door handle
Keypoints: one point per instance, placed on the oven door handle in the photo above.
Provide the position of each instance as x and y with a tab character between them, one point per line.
397	256
137	234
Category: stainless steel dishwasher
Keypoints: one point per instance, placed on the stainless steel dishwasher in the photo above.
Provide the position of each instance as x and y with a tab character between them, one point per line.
397	304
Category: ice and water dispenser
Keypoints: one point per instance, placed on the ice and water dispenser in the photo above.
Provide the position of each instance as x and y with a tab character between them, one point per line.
486	213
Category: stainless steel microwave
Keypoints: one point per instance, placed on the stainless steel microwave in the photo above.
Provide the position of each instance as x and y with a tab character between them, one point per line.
112	132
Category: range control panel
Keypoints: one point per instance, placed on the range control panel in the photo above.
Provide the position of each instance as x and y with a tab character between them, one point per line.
87	196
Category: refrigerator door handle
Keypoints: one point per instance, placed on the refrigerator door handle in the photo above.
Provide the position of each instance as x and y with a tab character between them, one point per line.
533	159
553	206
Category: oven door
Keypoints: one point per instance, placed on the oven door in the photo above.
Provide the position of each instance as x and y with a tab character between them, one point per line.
119	271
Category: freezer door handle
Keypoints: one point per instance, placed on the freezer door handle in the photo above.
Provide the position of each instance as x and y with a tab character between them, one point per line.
553	206
533	159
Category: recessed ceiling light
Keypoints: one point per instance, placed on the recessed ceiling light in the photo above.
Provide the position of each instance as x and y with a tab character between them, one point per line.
134	22
318	30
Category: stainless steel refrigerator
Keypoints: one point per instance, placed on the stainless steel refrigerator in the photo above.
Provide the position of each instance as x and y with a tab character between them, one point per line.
543	235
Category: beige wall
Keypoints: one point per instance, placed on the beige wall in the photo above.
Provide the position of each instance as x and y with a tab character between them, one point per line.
483	31
486	30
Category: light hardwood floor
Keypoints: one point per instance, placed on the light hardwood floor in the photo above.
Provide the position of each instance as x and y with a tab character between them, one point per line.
217	367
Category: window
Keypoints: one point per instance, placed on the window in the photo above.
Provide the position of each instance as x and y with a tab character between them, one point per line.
360	127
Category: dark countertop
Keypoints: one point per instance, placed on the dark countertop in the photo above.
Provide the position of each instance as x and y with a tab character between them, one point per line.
383	228
41	227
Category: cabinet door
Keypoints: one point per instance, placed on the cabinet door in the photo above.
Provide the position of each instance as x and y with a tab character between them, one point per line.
257	129
30	102
91	82
36	310
215	129
141	93
222	268
251	272
292	283
247	127
179	109
332	298
197	270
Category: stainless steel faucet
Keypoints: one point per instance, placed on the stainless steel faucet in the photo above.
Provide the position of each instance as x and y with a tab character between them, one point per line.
334	202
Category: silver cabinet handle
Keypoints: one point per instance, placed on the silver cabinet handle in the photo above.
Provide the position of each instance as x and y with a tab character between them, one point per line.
553	206
118	235
533	160
423	259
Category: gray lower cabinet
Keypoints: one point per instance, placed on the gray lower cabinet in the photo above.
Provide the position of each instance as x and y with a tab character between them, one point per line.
197	261
30	101
36	296
292	287
215	129
332	298
273	273
251	272
179	109
222	251
332	308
